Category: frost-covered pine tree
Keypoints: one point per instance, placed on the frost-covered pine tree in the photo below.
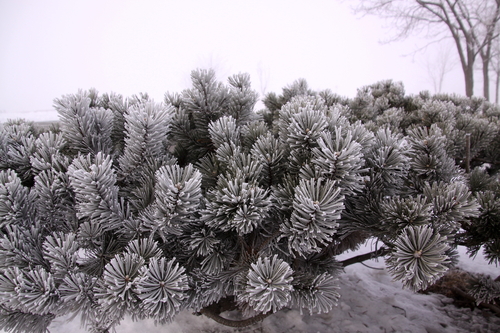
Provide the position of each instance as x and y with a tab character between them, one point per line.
143	209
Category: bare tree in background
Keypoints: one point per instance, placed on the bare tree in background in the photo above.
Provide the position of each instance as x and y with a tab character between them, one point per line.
495	64
485	22
438	66
216	62
263	74
470	23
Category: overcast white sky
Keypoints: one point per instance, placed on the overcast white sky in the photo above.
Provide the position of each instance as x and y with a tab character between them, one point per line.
51	48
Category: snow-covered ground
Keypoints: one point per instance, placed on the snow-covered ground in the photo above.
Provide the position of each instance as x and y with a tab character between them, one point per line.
37	115
371	302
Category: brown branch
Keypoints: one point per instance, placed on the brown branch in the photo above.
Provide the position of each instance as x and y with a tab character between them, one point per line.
468	297
484	160
210	313
367	256
268	240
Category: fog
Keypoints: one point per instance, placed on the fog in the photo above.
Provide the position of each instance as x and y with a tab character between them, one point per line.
52	48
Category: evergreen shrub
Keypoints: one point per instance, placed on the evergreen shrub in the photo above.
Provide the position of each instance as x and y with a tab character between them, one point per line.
132	207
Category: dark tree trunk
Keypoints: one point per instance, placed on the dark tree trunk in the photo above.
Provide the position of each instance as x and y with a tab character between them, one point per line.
469	79
486	59
469	73
486	79
497	85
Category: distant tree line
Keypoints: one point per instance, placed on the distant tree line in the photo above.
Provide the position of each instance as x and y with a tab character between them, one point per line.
471	24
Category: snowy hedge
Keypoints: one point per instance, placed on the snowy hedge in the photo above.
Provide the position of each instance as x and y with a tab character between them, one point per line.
132	207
